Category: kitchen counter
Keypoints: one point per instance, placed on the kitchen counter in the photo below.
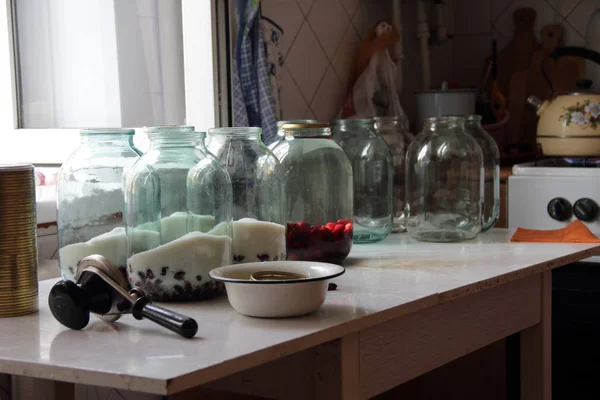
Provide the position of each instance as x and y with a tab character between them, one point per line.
402	309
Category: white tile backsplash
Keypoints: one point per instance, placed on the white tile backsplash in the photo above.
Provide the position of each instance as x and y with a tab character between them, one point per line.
472	17
288	15
307	62
580	16
329	97
293	103
344	61
324	37
305	5
329	31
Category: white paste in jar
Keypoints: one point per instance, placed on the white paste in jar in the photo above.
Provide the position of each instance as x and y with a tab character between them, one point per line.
255	240
179	270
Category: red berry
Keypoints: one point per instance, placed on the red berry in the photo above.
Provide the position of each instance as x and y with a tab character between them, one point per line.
338	231
343	221
303	226
348	227
330	226
292	256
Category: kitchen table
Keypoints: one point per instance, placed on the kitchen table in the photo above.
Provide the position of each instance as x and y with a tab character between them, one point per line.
402	309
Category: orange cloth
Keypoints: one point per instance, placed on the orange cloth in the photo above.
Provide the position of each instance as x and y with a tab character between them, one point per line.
575	232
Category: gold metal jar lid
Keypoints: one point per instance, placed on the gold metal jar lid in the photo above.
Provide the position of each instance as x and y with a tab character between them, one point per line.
276	276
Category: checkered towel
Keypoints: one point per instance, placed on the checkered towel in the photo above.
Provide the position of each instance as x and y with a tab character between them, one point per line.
253	101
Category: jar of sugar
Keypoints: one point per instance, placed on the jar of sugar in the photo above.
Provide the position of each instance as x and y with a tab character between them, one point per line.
90	198
319	190
178	217
258	193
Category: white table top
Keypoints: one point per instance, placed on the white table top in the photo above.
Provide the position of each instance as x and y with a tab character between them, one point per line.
383	281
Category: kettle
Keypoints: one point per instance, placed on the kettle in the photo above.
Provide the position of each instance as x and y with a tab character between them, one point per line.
569	125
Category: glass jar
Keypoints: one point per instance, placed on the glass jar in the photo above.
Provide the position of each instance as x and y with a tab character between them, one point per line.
178	216
90	198
318	181
373	167
258	193
398	138
444	168
280	135
491	171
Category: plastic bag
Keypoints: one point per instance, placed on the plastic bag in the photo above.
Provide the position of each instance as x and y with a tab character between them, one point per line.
375	93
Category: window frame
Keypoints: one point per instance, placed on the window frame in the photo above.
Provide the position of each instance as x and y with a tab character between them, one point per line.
202	23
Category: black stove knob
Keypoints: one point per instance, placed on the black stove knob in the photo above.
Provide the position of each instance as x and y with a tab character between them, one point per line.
560	209
585	209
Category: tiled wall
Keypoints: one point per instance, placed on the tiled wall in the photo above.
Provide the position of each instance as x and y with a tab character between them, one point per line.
322	38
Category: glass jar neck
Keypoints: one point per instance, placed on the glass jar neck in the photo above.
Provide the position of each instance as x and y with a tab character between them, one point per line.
353	123
474	120
307	133
444	124
387	123
172	136
107	137
234	134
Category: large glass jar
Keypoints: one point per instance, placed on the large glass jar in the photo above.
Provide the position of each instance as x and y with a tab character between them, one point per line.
90	198
491	171
178	215
398	138
444	168
373	167
280	135
318	181
258	193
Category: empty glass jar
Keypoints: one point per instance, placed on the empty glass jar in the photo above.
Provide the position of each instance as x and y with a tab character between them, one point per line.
258	193
373	171
90	198
178	214
491	173
398	138
444	167
318	179
280	135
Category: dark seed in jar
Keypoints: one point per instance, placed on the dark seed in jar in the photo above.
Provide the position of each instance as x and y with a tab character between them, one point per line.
163	271
142	276
178	289
179	275
263	257
158	282
331	286
149	274
238	258
199	278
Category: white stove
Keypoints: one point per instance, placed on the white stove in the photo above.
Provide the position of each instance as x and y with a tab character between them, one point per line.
549	194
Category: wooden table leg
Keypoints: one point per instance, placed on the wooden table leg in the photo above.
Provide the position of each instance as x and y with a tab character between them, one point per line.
64	390
536	366
5	387
327	372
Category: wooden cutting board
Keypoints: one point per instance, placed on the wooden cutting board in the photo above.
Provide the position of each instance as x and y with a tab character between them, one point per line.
513	63
516	56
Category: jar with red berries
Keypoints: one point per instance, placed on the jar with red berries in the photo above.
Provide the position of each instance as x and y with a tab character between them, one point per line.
319	191
258	195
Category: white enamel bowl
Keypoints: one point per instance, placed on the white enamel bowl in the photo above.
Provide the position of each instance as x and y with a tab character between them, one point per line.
277	298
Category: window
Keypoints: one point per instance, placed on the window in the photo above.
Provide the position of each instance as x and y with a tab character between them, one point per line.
68	64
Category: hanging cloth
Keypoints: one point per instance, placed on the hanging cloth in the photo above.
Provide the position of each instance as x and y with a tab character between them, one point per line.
253	103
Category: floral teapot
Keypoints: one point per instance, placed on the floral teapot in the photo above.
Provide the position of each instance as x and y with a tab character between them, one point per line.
569	125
